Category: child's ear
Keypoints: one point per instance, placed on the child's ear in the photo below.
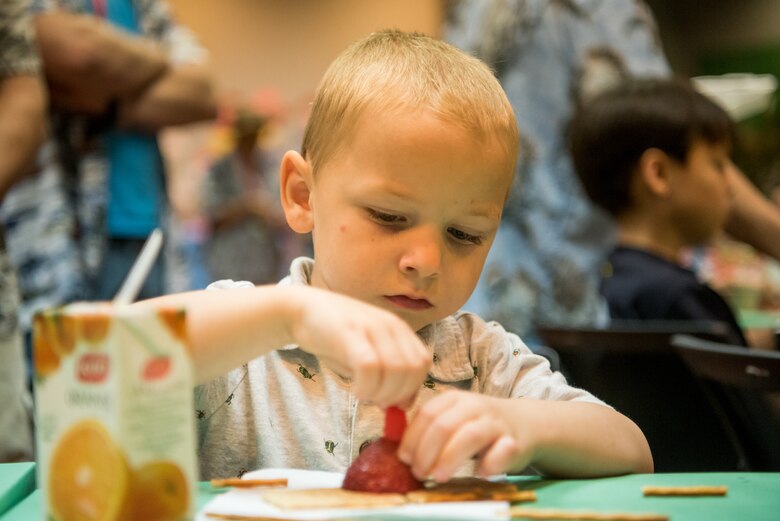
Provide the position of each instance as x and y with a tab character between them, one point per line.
655	171
295	180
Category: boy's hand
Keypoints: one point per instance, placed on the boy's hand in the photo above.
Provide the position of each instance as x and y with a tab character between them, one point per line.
457	426
385	359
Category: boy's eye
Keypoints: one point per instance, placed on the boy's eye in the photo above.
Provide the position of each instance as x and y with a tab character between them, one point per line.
385	218
461	236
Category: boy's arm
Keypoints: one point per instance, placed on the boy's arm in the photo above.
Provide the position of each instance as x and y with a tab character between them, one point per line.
384	357
577	439
559	438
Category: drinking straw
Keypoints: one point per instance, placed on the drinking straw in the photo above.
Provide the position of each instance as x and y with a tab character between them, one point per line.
140	270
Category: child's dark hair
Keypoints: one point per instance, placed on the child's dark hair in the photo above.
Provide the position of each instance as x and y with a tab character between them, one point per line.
609	133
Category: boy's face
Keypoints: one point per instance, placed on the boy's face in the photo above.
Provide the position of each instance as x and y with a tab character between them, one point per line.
701	193
403	217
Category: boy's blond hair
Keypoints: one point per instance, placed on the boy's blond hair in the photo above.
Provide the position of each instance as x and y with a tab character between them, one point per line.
389	71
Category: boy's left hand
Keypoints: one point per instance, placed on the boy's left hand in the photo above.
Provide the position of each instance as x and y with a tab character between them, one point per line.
457	426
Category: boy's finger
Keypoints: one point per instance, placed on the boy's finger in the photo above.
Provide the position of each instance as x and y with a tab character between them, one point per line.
498	456
407	404
401	368
468	440
421	422
367	369
435	436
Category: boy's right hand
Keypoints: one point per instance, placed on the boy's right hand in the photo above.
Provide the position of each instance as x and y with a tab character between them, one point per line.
383	356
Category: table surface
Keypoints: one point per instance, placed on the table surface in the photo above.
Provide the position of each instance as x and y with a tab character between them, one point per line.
751	496
17	480
758	318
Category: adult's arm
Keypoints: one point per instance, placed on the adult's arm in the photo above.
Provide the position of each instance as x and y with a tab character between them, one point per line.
88	62
183	94
22	113
754	219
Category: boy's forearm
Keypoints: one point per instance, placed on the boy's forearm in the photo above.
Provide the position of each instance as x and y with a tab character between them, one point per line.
580	440
230	327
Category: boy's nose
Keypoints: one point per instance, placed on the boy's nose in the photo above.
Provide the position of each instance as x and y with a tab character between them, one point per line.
422	255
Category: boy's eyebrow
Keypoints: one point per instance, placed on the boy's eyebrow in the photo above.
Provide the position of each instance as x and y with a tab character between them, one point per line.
388	189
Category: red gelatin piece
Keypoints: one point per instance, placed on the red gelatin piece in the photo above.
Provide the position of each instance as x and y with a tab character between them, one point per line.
378	469
395	423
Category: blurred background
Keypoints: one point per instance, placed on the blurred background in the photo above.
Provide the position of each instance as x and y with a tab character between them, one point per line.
268	55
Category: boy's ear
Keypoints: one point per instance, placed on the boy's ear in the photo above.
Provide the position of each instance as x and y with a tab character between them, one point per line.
655	171
295	180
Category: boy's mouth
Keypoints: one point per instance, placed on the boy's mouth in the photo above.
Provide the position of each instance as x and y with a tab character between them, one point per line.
405	302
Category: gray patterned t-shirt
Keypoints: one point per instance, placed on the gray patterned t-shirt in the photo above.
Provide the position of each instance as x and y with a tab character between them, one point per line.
286	409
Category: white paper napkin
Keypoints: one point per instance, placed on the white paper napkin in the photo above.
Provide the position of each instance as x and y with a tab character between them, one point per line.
249	502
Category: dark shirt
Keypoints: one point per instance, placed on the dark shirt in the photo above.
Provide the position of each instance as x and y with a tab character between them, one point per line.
645	286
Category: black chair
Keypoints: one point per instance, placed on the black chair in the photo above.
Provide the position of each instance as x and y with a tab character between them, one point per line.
633	367
745	385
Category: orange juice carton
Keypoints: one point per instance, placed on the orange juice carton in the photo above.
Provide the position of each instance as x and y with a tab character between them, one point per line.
115	422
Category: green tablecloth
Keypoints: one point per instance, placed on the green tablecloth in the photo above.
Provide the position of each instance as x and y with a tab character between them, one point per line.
17	481
30	509
758	319
751	496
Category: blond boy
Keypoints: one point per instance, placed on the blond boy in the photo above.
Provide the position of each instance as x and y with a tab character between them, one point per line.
406	163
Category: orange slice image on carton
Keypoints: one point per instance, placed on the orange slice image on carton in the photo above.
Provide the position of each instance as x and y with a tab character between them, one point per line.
161	492
89	479
59	330
93	328
45	360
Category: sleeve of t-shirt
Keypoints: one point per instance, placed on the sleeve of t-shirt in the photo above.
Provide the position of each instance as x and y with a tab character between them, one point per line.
694	304
18	55
38	6
508	368
229	284
702	303
179	41
631	30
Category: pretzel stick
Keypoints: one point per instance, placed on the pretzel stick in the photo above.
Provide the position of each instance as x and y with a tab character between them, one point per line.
572	515
517	495
685	491
238	517
246	483
432	496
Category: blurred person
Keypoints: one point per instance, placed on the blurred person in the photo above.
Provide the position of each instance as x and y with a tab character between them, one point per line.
164	66
544	266
243	209
22	115
118	71
543	269
655	154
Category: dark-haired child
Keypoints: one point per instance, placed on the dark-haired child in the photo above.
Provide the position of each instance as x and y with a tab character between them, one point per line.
655	154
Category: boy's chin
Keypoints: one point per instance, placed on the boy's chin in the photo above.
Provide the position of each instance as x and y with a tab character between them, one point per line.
418	325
